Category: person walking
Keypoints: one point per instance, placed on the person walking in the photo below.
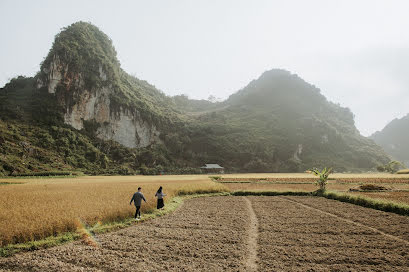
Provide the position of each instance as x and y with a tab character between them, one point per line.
159	194
137	199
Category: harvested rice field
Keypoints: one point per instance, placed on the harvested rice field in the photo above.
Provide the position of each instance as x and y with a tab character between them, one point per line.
240	234
396	186
39	208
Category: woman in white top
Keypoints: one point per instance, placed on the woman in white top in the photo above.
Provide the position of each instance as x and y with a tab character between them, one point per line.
159	194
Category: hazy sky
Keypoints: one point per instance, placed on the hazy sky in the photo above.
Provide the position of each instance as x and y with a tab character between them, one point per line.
356	52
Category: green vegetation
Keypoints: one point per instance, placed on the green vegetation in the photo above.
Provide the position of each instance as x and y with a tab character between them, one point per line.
33	245
279	123
323	177
88	59
394	139
215	178
271	193
47	174
381	205
391	167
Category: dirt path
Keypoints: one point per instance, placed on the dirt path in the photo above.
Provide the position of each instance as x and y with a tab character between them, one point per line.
251	263
349	221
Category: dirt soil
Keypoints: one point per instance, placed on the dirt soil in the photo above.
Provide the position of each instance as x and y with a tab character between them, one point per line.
317	234
240	234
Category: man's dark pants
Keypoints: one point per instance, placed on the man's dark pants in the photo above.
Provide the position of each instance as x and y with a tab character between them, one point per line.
138	210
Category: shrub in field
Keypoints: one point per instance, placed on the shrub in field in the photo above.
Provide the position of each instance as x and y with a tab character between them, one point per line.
323	177
215	178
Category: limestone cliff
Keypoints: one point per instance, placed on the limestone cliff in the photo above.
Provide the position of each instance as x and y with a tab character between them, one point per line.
84	82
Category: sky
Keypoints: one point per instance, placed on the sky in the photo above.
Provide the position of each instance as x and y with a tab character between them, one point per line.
356	52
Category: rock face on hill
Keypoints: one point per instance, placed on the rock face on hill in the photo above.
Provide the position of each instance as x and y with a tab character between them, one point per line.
87	113
394	139
82	71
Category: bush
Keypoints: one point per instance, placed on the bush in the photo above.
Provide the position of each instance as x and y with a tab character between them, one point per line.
215	178
391	167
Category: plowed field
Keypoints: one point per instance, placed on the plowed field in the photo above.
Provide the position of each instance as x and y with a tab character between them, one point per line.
240	234
302	233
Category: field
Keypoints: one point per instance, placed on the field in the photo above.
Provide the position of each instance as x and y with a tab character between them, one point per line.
397	185
305	233
240	234
233	233
33	209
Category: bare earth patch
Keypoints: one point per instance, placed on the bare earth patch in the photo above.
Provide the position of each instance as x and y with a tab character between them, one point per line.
302	233
241	234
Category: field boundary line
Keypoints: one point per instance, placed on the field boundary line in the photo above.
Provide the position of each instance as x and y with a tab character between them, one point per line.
251	262
347	220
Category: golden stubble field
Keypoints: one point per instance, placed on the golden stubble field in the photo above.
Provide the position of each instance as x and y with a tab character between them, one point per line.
397	185
33	209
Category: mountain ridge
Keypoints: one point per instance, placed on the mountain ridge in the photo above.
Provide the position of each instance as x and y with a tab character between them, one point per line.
393	138
276	123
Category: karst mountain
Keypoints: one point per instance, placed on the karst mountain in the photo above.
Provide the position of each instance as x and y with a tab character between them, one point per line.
82	112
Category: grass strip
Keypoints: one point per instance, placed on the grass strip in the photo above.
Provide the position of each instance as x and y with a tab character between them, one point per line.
271	193
41	177
9	183
99	228
265	182
382	205
33	245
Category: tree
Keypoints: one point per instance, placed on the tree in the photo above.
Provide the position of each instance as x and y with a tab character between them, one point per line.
391	167
323	177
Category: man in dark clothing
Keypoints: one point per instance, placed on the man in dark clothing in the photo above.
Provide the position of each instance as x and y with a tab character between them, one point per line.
137	199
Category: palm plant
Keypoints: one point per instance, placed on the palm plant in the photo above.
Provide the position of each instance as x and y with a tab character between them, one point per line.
323	177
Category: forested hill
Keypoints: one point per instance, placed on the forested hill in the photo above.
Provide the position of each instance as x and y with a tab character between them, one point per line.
279	122
83	112
394	139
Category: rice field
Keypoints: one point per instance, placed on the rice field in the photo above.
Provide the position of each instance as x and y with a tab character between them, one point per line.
308	178
32	209
397	185
308	175
36	208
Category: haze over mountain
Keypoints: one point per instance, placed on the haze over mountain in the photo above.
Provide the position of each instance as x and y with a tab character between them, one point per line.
83	112
358	57
394	139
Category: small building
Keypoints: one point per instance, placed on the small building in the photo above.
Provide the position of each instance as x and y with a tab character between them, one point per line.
212	168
